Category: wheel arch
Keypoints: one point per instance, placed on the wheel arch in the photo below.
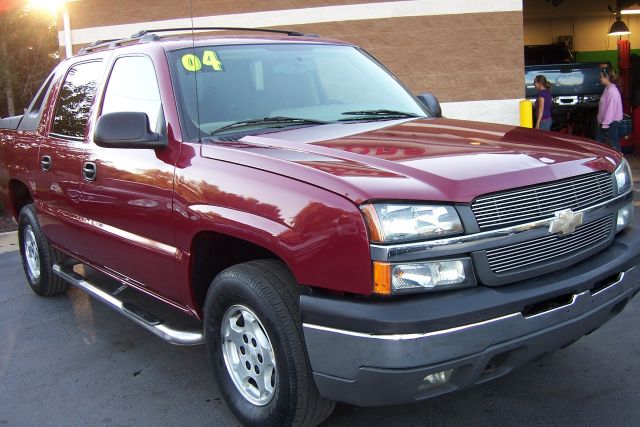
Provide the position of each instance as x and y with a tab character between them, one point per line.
19	197
212	252
319	236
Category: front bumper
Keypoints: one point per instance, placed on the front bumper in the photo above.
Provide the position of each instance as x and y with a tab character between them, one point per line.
379	353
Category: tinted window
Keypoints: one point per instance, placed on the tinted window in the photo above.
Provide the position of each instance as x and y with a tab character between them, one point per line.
133	87
76	97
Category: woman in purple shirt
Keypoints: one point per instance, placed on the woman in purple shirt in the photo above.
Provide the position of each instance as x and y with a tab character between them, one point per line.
543	103
609	110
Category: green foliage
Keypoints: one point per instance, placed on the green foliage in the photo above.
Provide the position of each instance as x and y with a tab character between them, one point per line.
28	52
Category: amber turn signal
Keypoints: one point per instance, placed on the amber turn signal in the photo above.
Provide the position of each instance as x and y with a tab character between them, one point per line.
381	278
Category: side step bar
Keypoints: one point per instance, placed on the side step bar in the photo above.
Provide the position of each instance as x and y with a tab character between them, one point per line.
138	315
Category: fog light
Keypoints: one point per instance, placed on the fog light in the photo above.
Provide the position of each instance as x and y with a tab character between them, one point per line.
435	380
432	275
625	215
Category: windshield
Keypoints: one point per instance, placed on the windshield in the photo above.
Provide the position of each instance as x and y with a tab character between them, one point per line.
238	87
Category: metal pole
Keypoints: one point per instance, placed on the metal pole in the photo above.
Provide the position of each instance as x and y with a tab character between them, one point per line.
67	31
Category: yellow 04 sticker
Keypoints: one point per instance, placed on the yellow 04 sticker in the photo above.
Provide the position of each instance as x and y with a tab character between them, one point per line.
209	57
191	62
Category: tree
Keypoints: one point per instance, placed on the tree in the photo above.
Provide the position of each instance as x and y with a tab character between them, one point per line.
28	52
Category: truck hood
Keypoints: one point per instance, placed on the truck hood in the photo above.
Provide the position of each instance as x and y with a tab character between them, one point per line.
417	159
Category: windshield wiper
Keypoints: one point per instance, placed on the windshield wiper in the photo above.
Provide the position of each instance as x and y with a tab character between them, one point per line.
381	113
281	121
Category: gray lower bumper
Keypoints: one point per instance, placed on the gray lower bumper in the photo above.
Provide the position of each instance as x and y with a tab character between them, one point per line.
368	369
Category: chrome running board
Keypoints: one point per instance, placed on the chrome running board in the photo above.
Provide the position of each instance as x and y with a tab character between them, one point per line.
141	317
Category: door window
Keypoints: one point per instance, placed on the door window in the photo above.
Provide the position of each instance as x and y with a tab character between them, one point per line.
76	97
133	87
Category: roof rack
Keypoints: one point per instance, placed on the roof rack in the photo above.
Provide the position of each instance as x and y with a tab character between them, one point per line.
95	45
187	29
149	35
99	42
112	43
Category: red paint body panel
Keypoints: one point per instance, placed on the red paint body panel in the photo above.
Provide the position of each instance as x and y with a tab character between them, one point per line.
294	192
18	162
429	159
320	235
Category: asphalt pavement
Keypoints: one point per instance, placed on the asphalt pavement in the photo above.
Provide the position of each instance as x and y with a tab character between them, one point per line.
70	360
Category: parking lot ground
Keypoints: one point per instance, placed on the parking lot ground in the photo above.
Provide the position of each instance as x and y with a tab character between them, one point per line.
70	360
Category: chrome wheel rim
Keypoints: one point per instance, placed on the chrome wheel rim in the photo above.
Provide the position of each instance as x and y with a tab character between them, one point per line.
31	253
248	355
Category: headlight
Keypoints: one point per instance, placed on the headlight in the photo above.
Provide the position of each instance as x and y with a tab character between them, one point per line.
391	279
624	180
390	223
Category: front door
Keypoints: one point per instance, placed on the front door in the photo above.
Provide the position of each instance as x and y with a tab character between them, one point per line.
128	193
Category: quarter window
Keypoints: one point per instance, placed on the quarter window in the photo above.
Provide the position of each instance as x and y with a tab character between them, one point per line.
76	97
133	87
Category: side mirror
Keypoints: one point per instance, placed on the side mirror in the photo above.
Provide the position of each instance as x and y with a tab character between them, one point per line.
431	102
126	129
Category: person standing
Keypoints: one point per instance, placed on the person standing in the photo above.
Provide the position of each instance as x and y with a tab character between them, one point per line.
543	103
609	110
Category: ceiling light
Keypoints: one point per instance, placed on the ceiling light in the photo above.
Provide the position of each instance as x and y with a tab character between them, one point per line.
619	28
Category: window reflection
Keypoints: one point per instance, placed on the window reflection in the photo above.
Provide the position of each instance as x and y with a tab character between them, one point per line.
133	86
76	97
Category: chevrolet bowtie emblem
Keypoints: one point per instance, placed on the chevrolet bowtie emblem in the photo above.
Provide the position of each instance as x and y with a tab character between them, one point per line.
565	223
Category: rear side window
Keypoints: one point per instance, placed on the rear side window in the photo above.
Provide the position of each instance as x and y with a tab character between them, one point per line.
32	116
133	86
76	97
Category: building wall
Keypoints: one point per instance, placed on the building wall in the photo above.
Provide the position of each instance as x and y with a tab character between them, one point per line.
460	50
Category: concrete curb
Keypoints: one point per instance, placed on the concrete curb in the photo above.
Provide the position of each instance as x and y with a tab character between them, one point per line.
8	242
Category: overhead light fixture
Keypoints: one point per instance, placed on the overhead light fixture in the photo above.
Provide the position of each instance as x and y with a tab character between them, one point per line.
630	12
619	28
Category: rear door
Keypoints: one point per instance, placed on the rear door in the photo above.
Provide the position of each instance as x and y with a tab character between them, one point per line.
60	158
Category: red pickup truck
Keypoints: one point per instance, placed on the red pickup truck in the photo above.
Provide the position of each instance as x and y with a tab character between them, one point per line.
334	238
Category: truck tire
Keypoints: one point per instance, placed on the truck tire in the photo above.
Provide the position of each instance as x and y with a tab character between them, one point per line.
38	256
256	347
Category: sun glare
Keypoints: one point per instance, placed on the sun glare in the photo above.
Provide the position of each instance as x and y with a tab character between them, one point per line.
52	5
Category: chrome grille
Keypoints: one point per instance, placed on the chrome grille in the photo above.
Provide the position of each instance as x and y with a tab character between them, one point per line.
547	248
541	201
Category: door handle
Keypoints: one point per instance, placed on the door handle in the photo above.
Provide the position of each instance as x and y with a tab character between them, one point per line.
89	171
45	163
